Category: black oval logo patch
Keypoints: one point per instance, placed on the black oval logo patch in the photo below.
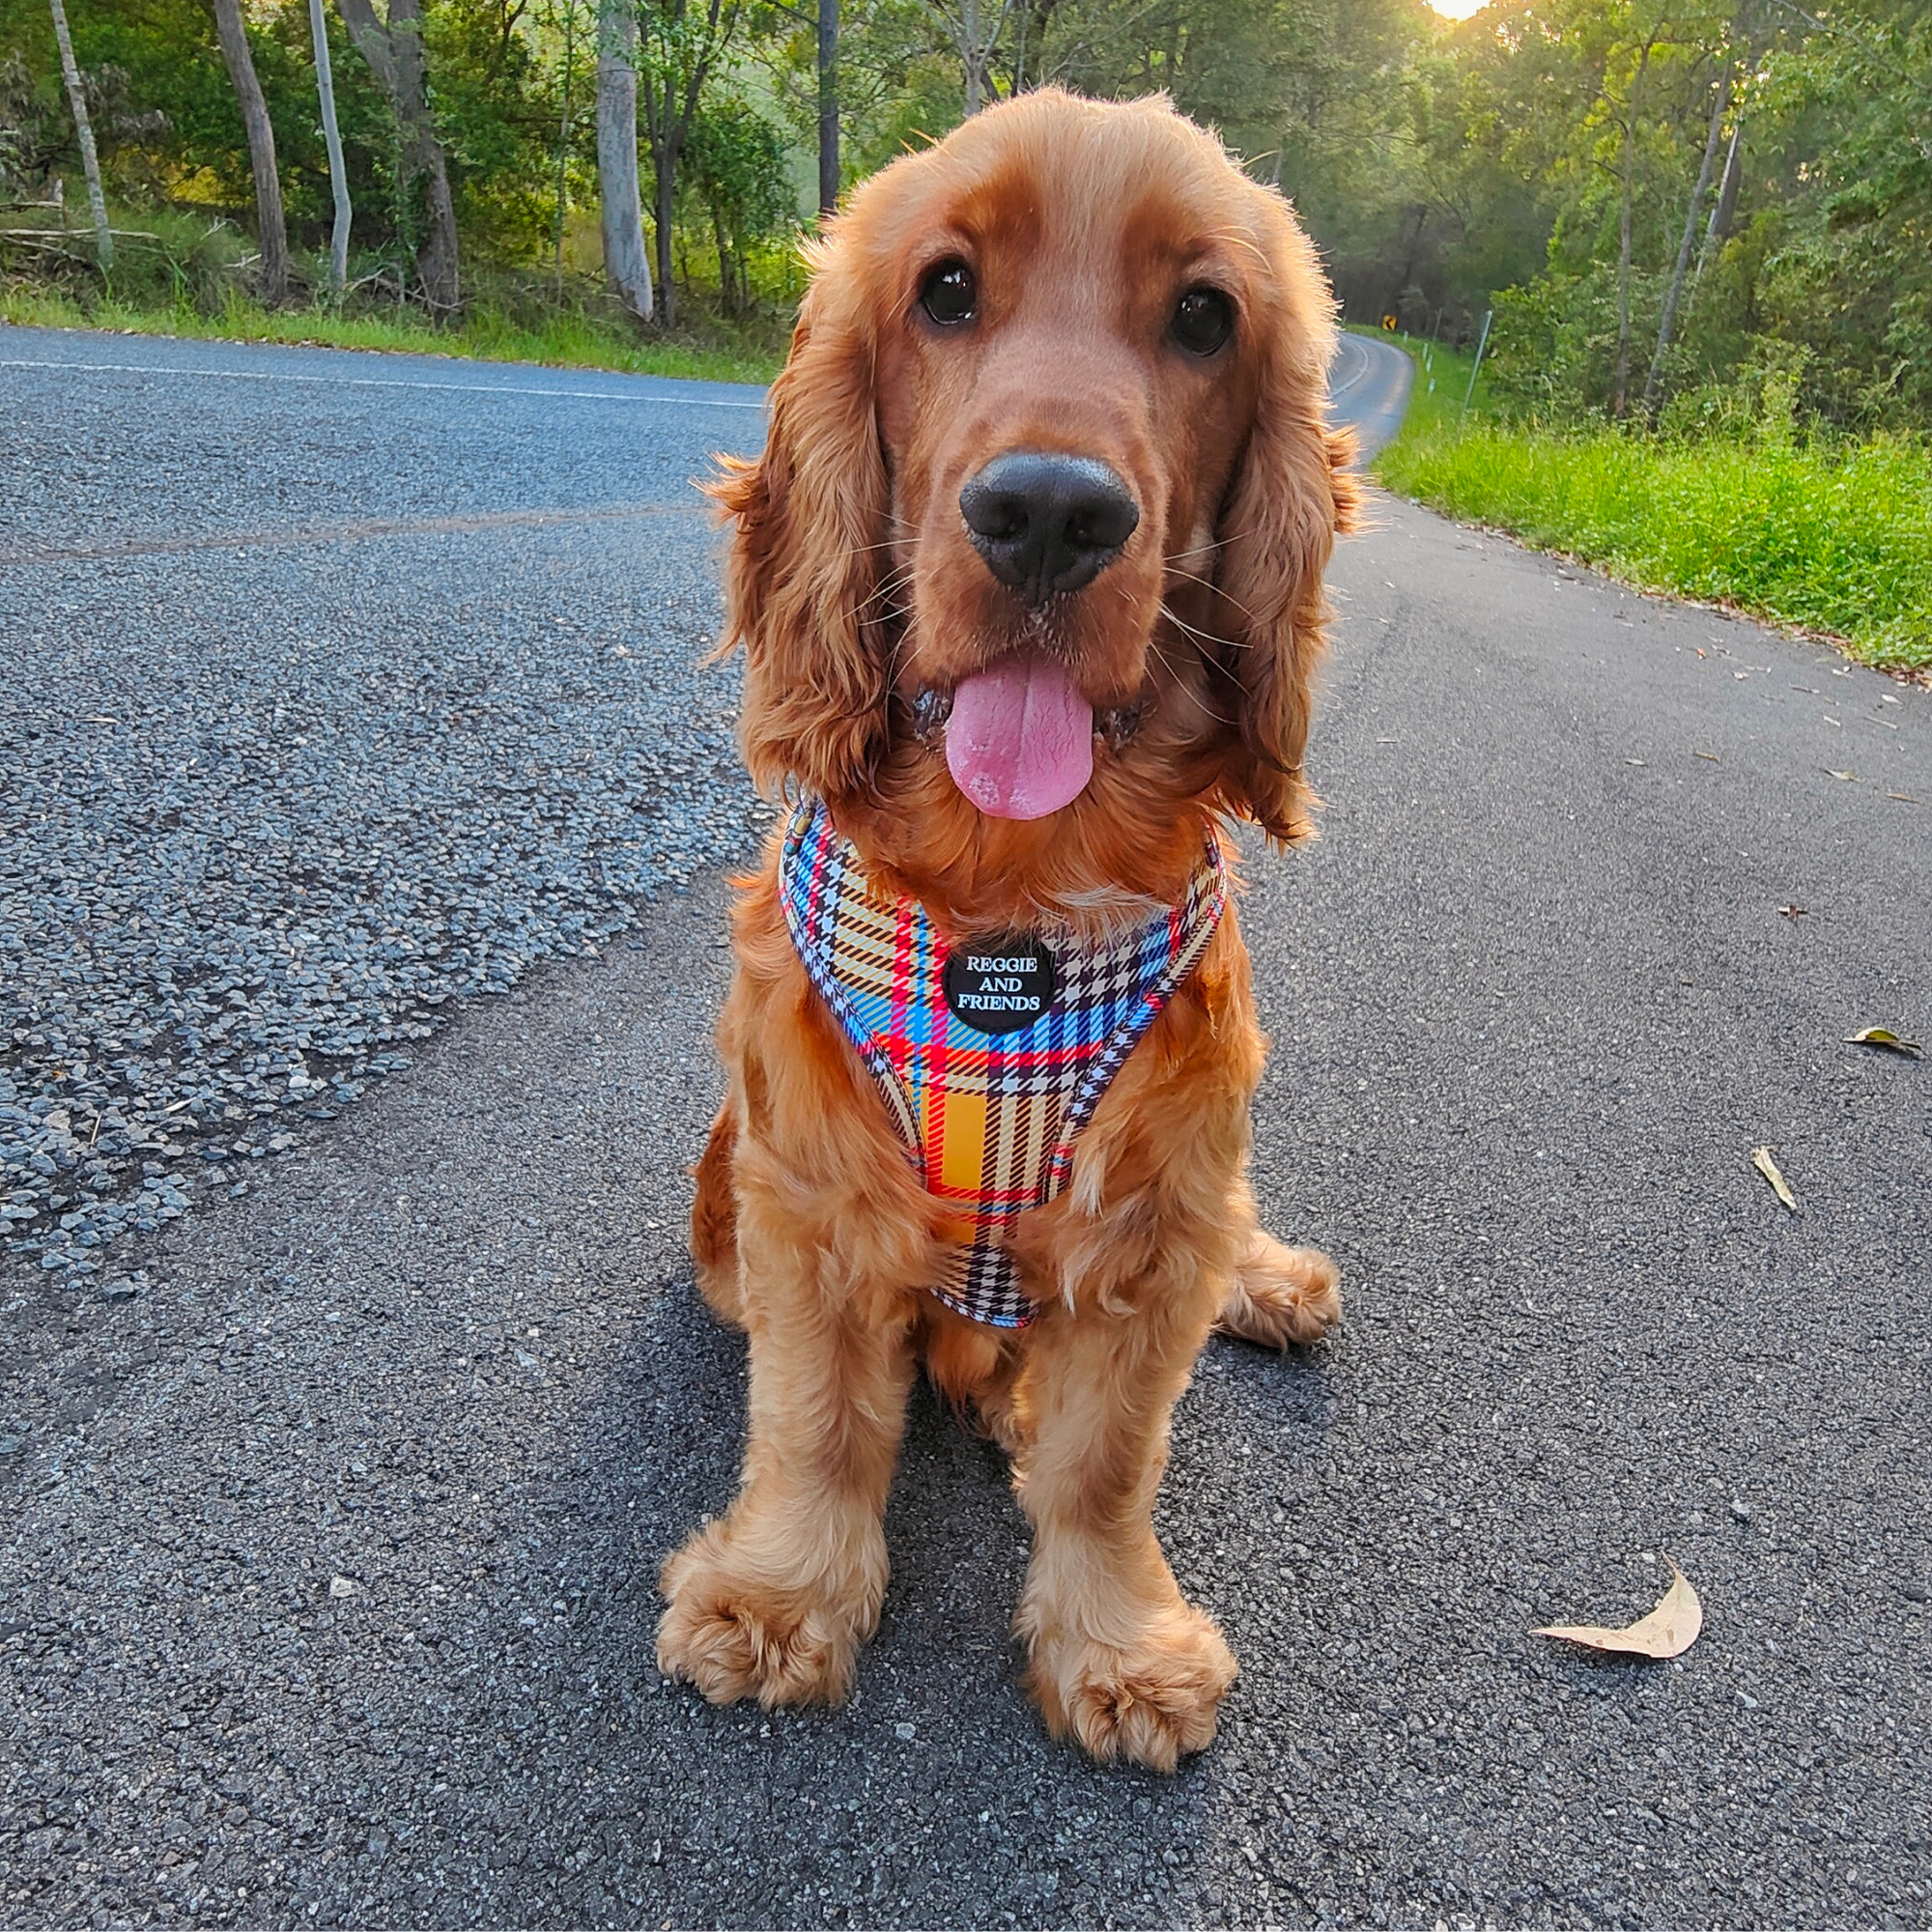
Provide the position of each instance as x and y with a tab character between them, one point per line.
999	985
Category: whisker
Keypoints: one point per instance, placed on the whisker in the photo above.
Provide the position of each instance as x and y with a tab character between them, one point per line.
1203	636
1207	583
1153	644
1220	543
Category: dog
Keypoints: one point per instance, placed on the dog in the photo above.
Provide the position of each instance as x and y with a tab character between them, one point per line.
1027	582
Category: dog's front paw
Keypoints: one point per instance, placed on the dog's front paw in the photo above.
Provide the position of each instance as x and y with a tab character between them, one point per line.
733	1636
1153	1704
1282	1296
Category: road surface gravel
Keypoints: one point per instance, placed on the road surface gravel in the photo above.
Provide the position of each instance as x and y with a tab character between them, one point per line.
326	1555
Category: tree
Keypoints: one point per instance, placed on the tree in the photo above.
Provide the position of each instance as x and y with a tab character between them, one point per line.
83	129
1624	112
273	277
828	106
683	41
332	134
976	37
1719	103
627	262
394	51
737	161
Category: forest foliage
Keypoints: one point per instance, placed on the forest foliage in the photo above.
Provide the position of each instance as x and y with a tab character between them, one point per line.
1701	215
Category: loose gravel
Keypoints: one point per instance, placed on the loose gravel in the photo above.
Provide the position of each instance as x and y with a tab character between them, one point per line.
327	1543
270	813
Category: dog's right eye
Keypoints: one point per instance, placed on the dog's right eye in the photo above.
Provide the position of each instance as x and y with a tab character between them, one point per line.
950	294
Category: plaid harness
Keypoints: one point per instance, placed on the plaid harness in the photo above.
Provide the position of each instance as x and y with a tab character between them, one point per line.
988	1119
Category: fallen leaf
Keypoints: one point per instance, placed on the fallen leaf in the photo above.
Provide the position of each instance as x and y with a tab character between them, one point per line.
1884	1037
1761	1161
1669	1629
1903	796
1710	755
1851	777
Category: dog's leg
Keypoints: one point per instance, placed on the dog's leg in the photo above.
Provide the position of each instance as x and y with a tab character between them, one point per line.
1120	1661
773	1600
1277	1295
714	1223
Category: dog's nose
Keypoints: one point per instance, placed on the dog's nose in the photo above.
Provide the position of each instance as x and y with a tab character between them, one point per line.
1047	522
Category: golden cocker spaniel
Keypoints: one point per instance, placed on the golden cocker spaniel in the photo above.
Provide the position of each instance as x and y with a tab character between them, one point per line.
1028	580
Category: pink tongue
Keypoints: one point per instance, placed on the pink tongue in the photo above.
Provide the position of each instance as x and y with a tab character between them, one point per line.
1020	740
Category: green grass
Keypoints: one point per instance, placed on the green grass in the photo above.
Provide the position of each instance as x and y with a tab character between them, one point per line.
565	339
1826	536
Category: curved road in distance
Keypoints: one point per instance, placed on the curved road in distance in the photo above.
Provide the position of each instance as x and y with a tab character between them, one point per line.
1367	389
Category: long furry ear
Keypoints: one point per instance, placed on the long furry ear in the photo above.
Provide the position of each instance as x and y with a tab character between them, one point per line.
802	583
1295	489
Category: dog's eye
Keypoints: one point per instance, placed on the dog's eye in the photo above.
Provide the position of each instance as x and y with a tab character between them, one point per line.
1202	320
950	294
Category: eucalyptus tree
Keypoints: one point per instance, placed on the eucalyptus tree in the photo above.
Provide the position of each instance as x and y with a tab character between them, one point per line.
272	277
332	135
627	261
682	44
83	129
393	48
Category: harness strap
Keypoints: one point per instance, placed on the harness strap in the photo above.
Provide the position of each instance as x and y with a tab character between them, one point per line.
988	1120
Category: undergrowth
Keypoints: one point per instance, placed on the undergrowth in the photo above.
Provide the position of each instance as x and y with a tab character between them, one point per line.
180	274
1827	534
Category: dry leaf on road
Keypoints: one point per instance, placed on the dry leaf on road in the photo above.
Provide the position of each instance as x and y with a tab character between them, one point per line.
1669	1629
1761	1161
1884	1037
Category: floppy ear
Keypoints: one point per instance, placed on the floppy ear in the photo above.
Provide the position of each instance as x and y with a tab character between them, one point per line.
1294	490
802	583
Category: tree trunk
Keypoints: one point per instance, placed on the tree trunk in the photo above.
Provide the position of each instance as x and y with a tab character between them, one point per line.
1683	248
727	294
972	37
828	106
667	118
332	134
1621	386
664	161
626	262
83	129
394	52
273	278
563	138
1723	209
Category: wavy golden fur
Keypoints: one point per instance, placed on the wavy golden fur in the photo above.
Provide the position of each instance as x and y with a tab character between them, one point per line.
853	588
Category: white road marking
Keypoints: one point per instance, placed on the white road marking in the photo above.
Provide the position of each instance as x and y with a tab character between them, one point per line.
378	383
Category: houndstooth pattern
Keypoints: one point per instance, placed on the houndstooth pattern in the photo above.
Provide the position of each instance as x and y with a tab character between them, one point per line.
988	1120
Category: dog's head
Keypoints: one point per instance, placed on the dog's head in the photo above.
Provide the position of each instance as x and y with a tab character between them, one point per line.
1048	490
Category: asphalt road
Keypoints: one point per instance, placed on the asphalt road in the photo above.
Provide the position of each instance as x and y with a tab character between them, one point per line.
1369	386
326	1575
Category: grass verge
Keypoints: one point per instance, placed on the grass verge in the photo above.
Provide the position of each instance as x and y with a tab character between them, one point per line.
566	339
1824	536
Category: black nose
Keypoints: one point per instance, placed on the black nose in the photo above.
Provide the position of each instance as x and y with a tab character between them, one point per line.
1047	522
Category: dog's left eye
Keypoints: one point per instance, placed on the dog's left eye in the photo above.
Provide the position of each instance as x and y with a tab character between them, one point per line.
1202	320
950	294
